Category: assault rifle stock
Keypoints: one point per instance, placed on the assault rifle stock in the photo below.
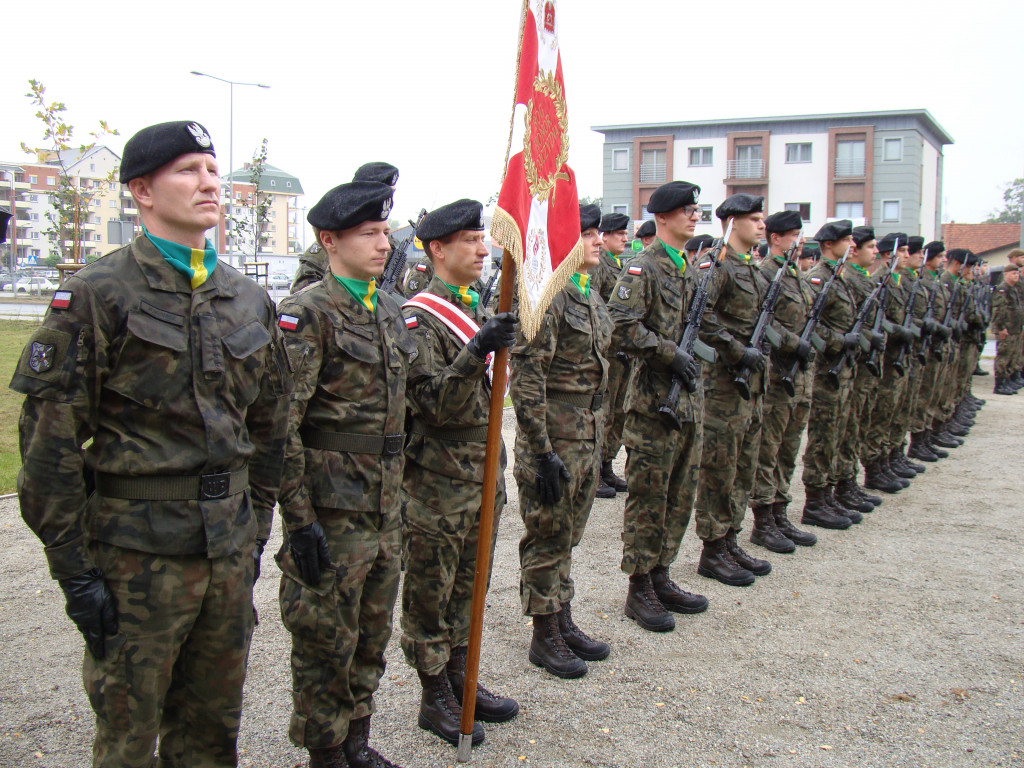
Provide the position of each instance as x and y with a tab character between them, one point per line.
874	363
396	264
908	326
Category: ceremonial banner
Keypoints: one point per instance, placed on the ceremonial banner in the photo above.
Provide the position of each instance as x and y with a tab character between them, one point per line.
537	219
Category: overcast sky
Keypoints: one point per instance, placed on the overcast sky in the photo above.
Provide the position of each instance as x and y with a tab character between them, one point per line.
428	86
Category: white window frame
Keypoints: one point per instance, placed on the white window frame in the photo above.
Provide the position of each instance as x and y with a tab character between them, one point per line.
702	164
899	211
850	215
620	152
33	179
51	181
885	150
620	209
810	151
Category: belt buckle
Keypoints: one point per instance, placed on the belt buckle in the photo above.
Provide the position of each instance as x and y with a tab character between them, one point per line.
214	486
597	401
393	444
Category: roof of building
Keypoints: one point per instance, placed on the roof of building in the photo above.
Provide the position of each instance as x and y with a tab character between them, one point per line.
981	238
921	114
270	173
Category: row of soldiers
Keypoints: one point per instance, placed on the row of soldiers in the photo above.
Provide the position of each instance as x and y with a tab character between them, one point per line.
170	406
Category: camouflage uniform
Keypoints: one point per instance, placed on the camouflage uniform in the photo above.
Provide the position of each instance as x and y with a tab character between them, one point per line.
449	396
951	362
1007	313
343	469
170	384
732	425
785	416
864	386
555	379
602	280
648	307
893	382
927	416
312	265
909	402
416	277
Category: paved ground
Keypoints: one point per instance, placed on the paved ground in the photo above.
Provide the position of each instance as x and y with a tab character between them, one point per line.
897	643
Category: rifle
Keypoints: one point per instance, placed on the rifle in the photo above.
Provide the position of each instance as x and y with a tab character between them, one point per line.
928	319
485	297
908	325
808	334
849	355
690	343
396	264
948	319
873	364
764	328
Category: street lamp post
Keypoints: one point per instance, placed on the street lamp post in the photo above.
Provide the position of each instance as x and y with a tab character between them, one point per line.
231	128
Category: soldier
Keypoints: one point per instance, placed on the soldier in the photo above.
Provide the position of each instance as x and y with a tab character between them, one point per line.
648	307
951	431
169	365
449	397
603	277
350	355
697	246
830	392
785	416
809	256
732	424
1007	325
646	233
313	262
1016	378
558	383
416	277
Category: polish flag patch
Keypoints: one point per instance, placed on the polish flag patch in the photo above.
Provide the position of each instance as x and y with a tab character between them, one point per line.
635	270
288	322
61	300
412	322
421	267
704	265
816	280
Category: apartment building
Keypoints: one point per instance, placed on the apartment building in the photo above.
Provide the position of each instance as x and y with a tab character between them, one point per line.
282	232
877	168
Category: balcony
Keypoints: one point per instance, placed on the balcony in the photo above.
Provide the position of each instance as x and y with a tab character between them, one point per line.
745	169
850	168
652	173
130	211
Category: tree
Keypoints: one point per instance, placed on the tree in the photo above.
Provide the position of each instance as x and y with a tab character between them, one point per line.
251	228
587	200
71	201
1013	199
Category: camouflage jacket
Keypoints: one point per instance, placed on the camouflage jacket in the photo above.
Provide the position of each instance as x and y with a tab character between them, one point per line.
448	390
566	357
648	307
840	309
350	368
163	380
791	310
416	277
604	275
312	265
735	294
931	287
1007	309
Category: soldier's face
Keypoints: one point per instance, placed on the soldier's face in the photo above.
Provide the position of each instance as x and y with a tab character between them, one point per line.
359	252
915	260
615	242
1011	277
784	240
749	229
678	225
181	196
903	256
591	247
864	255
462	257
838	247
647	240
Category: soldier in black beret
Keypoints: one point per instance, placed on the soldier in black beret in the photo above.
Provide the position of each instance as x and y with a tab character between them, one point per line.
159	144
382	173
646	233
834	231
862	235
933	248
809	255
915	244
697	246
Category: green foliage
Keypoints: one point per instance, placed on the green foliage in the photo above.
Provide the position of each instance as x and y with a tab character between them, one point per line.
587	200
13	337
1013	199
252	229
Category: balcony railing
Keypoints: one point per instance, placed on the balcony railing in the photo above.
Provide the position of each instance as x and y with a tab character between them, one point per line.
745	169
850	167
652	172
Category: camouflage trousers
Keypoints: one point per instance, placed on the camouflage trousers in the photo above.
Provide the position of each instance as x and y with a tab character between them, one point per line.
969	359
905	410
924	414
732	437
341	627
177	665
891	388
442	530
552	533
859	406
829	412
615	415
950	366
1008	355
782	427
661	468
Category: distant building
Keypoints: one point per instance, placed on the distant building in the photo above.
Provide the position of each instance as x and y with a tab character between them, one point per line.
877	168
990	241
282	233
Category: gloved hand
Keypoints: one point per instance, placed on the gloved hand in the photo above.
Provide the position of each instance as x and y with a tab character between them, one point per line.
551	473
877	341
497	333
928	326
851	341
257	555
804	351
752	359
309	551
945	331
91	605
905	335
684	366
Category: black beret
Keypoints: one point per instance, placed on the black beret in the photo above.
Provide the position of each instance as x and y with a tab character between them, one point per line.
810	252
834	230
972	259
382	173
762	250
862	234
740	205
916	244
349	205
958	254
892	242
647	229
613	222
694	244
783	221
454	217
155	146
590	216
673	195
933	249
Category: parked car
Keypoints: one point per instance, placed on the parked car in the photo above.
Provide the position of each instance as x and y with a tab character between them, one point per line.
31	285
279	280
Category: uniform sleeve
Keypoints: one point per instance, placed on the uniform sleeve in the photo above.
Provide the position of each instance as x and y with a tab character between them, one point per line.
528	385
1000	314
436	389
629	306
712	331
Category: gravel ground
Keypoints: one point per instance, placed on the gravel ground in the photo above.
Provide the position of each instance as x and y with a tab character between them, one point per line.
899	642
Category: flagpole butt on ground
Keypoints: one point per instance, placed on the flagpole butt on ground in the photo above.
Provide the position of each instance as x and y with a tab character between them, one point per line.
483	546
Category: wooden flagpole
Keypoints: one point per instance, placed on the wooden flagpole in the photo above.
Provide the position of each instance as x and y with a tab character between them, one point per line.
499	377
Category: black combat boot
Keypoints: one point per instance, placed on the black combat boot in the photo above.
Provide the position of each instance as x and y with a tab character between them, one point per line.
979	371
790	531
440	712
877	480
817	512
766	533
672	597
839	508
905	461
490	708
610	478
862	492
331	757
604	491
929	439
1003	387
548	649
717	563
944	439
846	494
579	642
890	471
358	750
899	467
919	448
743	559
644	607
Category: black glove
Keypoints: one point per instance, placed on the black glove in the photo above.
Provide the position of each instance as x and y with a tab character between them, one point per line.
804	351
257	554
752	359
945	331
551	472
497	333
91	605
309	551
877	341
905	335
928	327
851	341
684	366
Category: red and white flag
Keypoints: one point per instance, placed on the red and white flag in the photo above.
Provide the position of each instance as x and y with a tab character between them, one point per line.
538	219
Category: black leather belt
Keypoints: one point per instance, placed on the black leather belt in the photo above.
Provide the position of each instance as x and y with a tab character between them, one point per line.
218	485
347	442
593	402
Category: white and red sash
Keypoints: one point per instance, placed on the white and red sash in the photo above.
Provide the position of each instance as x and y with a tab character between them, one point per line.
463	326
